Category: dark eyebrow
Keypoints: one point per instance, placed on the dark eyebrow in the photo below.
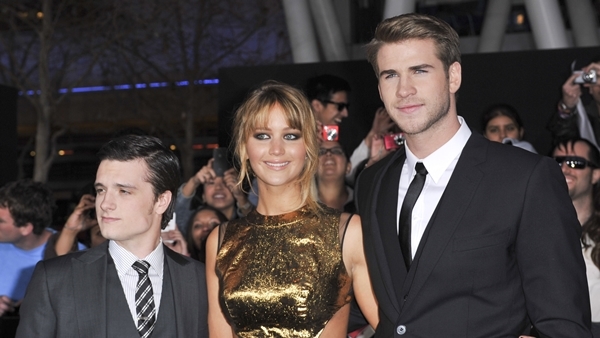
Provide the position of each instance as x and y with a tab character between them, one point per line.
413	68
119	185
123	185
418	67
387	72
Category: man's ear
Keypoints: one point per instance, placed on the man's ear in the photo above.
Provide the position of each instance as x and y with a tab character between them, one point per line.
595	175
316	105
455	77
348	167
162	202
26	230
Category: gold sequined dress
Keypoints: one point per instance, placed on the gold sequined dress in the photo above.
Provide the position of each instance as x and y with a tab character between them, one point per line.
283	276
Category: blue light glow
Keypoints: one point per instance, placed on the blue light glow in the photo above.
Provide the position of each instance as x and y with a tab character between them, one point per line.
126	86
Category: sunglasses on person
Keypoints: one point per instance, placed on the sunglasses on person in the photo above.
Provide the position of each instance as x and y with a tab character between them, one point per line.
333	151
340	105
574	162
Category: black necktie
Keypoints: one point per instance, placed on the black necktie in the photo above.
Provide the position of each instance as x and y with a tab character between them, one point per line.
412	194
144	300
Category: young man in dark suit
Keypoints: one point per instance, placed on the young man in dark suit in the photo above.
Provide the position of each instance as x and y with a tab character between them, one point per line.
484	241
132	285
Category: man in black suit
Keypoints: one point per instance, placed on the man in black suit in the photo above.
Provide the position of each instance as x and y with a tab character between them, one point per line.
132	285
486	242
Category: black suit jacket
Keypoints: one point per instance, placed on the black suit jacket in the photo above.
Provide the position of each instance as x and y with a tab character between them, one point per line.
67	297
502	248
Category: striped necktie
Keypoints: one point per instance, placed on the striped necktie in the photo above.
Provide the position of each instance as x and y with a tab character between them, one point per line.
144	300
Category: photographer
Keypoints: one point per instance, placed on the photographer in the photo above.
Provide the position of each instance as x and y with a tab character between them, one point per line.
329	99
574	119
219	192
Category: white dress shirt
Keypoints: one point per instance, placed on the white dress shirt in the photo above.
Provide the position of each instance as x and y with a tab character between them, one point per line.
440	165
593	279
129	277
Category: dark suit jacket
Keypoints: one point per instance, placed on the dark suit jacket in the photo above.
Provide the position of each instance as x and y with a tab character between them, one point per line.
502	247
67	296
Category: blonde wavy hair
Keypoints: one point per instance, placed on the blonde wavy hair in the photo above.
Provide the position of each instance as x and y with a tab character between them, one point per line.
254	114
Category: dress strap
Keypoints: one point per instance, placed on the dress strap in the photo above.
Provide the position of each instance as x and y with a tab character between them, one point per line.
344	226
222	228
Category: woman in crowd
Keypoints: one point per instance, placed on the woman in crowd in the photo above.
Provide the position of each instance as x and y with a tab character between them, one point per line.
286	269
202	221
502	123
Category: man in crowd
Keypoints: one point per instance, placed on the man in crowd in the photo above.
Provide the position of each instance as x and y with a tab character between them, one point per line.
579	161
131	284
483	241
329	98
25	214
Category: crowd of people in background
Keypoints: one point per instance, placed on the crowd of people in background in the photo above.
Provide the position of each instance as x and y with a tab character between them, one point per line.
220	217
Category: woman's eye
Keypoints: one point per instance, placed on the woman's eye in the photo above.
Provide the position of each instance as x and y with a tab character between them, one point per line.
261	136
291	137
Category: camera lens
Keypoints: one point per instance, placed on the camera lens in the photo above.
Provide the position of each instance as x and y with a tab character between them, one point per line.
589	77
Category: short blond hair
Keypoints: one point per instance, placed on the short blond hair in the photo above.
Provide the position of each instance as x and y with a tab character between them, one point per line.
415	26
254	114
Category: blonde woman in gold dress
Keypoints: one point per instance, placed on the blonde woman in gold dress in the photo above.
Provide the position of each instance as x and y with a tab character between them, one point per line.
285	270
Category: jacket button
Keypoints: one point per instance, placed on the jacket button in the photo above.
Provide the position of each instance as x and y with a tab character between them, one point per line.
401	329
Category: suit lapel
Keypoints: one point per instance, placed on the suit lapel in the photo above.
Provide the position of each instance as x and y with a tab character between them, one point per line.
454	202
184	315
89	285
383	229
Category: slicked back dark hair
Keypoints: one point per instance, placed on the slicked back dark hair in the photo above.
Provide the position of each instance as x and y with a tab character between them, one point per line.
163	165
323	87
28	202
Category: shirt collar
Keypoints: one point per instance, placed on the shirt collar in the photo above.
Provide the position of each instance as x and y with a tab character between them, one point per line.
124	259
438	161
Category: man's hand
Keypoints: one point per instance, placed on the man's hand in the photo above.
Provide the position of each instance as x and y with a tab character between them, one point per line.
382	123
79	219
571	92
6	305
377	150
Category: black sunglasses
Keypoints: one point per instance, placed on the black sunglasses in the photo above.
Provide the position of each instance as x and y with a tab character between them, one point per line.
574	162
340	105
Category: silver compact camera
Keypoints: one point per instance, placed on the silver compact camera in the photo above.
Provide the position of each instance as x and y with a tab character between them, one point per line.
585	77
